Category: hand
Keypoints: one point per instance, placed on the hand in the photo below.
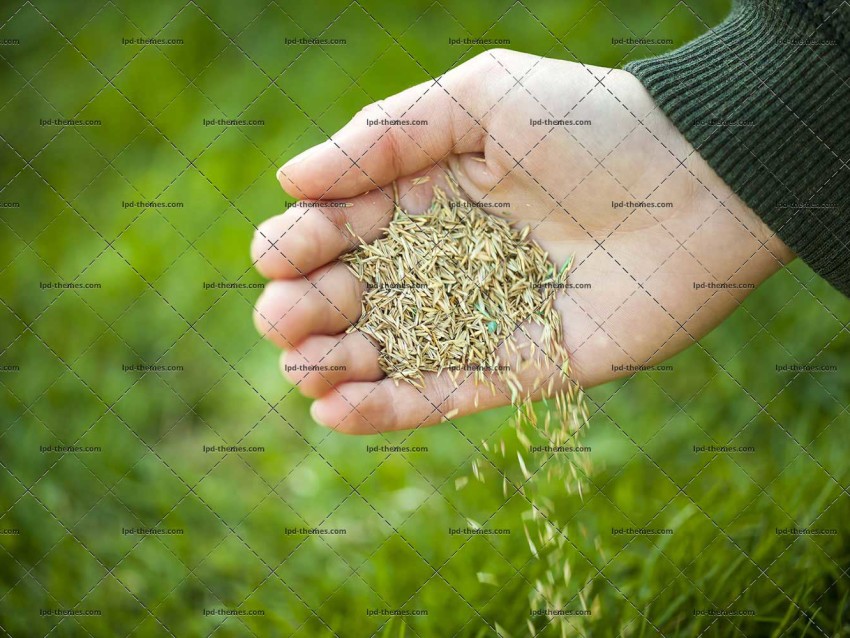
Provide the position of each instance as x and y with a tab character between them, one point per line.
641	266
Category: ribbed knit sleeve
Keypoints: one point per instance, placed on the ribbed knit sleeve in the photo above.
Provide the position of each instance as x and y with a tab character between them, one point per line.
765	99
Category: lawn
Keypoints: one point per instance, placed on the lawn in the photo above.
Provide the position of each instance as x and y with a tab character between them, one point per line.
78	220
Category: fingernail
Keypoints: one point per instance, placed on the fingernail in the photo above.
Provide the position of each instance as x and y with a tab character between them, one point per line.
314	412
304	155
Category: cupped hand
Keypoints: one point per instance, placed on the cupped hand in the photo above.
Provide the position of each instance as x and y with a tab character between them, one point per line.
663	250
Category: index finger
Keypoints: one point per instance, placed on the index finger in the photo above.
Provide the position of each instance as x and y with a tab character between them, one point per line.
394	138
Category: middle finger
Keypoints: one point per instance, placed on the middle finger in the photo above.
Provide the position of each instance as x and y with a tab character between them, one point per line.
325	302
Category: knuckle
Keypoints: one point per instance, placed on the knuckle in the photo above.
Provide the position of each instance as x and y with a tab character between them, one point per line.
295	367
298	366
337	217
371	111
277	311
315	386
327	295
313	351
281	243
306	307
392	149
374	412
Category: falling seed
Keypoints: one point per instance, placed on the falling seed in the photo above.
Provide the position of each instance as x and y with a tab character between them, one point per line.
531	544
455	290
487	579
522	466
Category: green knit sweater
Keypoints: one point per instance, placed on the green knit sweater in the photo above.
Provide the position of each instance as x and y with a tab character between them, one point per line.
765	99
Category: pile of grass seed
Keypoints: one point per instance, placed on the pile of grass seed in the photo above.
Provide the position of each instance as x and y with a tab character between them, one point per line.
457	290
450	288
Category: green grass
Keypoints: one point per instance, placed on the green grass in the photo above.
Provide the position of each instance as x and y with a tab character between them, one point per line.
152	308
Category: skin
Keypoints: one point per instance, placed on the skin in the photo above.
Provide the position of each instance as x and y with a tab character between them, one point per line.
641	263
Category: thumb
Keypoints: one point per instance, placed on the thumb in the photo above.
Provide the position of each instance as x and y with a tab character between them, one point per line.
392	138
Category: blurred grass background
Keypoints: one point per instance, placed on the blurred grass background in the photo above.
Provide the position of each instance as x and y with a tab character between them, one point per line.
70	345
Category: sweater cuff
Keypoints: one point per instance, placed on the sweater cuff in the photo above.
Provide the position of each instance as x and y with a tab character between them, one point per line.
765	99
